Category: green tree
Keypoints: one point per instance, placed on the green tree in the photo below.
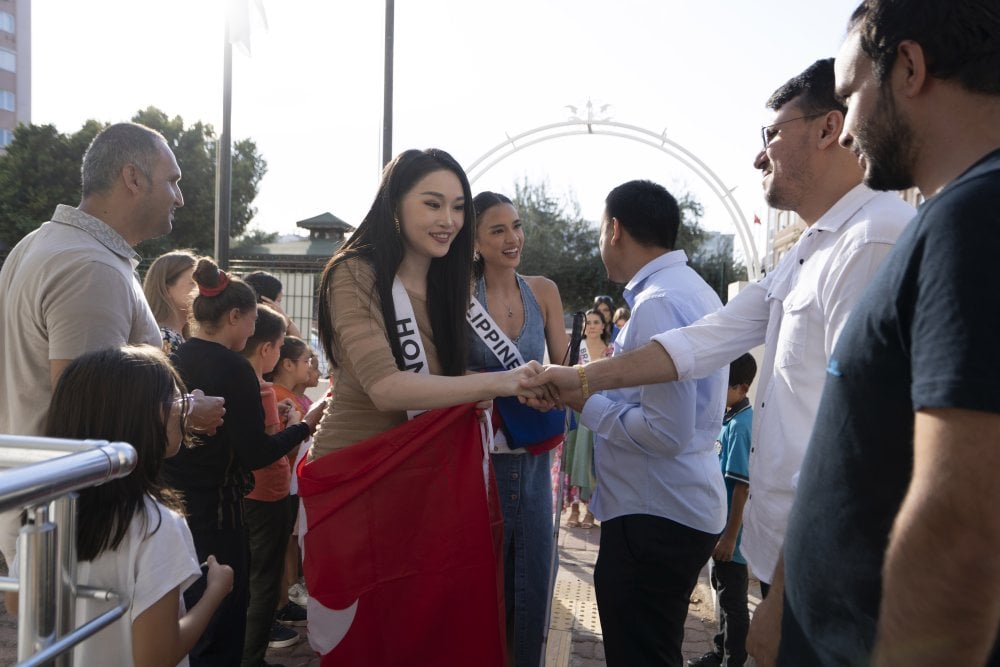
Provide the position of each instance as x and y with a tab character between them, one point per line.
195	149
41	168
255	236
561	245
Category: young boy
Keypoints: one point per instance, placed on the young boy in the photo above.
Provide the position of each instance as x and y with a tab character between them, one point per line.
728	569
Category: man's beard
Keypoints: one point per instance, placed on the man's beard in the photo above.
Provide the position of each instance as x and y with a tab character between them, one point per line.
887	142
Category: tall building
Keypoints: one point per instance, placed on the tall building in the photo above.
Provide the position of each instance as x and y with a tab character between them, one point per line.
15	67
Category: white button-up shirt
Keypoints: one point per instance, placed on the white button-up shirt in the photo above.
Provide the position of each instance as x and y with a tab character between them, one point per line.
797	311
654	446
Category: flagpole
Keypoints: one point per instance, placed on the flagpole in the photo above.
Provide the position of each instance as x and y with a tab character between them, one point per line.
224	161
387	83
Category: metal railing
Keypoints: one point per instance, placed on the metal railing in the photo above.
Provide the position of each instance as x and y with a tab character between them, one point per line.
41	476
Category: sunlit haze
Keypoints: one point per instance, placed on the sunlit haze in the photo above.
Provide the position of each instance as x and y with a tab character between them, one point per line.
467	74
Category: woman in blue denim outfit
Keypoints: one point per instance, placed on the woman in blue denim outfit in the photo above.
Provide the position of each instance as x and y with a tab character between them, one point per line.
528	310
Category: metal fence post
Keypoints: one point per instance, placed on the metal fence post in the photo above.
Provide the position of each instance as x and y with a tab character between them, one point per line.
36	627
64	516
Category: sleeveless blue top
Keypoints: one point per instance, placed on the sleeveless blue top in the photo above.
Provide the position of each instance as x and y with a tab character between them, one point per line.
530	341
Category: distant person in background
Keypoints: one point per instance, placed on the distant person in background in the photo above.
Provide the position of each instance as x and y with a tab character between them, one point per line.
528	310
267	508
271	292
621	317
294	581
169	287
728	569
579	464
606	305
294	369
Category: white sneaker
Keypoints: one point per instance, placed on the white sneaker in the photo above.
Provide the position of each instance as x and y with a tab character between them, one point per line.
298	594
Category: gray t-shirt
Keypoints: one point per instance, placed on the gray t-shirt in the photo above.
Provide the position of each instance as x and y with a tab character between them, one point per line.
67	288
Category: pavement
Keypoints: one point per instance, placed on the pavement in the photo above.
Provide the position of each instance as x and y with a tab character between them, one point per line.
575	638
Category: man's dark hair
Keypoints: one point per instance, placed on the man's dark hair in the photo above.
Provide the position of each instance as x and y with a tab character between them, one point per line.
812	90
960	38
742	370
647	211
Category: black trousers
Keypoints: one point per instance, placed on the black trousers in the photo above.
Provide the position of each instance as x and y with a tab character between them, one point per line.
268	527
646	569
222	641
729	580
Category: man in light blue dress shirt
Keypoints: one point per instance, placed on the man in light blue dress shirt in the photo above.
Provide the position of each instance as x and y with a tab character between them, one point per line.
660	495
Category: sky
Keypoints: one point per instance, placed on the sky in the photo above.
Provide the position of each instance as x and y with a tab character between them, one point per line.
468	74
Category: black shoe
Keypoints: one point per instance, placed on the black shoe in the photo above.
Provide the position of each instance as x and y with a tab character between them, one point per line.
282	636
711	659
291	614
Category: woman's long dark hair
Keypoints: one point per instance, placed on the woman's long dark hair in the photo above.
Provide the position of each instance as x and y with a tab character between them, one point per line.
608	323
377	242
121	395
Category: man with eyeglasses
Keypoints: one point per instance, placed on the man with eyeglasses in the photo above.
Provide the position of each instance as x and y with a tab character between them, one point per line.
797	311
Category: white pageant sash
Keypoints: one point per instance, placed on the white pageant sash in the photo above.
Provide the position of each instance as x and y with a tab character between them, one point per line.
506	352
415	361
493	338
414	358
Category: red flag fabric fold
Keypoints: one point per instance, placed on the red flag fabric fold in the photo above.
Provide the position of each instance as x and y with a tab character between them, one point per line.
402	548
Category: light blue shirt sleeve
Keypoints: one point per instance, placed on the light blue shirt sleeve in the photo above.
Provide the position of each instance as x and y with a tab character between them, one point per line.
657	419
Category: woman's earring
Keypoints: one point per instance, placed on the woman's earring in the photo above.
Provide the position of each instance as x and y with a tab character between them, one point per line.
476	256
396	220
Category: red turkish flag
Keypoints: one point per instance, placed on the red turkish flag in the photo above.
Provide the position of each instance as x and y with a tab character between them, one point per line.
402	548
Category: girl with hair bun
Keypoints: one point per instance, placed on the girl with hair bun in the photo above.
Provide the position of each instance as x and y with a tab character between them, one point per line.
579	462
214	476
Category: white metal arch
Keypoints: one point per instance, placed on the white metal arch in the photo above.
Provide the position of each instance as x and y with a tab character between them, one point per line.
575	127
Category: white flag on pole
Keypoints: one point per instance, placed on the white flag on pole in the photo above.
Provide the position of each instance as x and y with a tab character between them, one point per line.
238	15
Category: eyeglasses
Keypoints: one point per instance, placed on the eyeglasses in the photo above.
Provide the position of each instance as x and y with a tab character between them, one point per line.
767	133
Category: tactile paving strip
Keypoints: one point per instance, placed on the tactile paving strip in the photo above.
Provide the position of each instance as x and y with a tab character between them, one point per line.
574	606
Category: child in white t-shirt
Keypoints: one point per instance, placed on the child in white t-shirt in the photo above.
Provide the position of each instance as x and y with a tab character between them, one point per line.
131	536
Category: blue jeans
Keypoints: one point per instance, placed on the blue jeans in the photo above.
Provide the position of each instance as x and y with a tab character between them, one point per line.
524	482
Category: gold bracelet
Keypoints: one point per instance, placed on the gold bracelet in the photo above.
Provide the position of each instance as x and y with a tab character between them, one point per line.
584	385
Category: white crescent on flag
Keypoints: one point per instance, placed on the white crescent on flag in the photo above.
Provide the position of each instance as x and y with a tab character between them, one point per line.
327	626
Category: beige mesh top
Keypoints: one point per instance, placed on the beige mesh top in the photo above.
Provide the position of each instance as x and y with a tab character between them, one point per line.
361	347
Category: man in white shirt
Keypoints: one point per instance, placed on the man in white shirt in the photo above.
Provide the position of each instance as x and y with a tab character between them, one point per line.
797	311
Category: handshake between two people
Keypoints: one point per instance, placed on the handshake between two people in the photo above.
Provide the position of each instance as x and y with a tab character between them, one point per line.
546	387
